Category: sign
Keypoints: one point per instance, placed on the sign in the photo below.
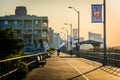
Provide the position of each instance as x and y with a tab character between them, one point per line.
96	13
62	44
68	38
75	34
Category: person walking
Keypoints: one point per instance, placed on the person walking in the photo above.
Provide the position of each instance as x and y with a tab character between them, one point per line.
58	51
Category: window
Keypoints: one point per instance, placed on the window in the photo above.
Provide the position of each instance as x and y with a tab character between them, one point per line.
27	40
6	22
20	23
36	21
36	32
15	23
44	34
44	24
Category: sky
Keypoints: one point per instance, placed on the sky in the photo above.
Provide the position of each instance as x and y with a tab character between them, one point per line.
58	13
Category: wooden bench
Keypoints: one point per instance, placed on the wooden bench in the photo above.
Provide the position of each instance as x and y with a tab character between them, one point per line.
40	61
48	54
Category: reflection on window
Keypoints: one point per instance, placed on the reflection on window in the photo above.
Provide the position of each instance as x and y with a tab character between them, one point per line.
20	24
44	25
27	41
36	21
15	23
44	34
6	22
36	32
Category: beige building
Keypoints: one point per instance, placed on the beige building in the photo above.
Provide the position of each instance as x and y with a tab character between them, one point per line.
56	40
50	38
33	29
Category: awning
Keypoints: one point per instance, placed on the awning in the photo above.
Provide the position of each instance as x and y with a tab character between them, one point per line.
90	42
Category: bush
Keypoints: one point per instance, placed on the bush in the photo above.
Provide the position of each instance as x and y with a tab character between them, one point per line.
23	68
9	43
51	50
21	73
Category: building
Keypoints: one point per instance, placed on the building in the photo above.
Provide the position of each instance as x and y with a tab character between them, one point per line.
50	37
96	37
74	41
32	29
56	40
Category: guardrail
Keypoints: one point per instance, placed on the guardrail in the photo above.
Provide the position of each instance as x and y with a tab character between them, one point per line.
10	67
113	59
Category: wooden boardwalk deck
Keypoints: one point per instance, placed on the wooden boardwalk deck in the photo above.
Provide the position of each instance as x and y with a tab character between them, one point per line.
65	67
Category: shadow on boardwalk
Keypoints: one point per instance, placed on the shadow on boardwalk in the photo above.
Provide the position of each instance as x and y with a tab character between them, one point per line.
68	56
112	70
109	69
58	68
84	73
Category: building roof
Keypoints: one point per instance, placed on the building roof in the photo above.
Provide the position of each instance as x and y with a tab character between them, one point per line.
21	14
23	17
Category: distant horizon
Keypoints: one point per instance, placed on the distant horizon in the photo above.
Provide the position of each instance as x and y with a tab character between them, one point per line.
58	13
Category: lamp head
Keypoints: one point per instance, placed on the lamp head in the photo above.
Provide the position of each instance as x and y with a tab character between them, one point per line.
65	23
69	7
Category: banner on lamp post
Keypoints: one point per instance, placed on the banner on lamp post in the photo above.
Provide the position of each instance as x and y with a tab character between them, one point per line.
68	38
75	34
62	45
96	13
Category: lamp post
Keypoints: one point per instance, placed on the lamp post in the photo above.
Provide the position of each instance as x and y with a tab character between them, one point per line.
63	34
65	40
78	54
67	37
71	36
105	54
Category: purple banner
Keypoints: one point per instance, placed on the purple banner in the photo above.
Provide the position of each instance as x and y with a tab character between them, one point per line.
96	13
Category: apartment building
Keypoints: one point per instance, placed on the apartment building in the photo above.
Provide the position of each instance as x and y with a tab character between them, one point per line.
56	40
50	38
32	29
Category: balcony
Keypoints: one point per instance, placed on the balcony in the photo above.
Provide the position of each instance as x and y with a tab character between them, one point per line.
40	28
24	32
37	37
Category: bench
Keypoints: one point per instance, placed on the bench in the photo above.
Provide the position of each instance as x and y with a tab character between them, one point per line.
40	61
48	54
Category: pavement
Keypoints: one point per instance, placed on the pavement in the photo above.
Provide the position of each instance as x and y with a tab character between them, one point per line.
65	67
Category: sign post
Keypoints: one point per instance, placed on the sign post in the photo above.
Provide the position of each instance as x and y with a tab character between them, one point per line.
97	18
105	54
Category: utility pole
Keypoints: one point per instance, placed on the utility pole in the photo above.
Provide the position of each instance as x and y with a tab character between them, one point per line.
105	54
78	45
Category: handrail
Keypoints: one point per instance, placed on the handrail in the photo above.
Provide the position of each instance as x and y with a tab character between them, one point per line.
9	73
29	61
112	58
20	57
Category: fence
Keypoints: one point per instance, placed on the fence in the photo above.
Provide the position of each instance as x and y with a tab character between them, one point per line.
113	59
9	68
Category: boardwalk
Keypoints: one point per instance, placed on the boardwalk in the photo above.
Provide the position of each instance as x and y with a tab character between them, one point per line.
65	67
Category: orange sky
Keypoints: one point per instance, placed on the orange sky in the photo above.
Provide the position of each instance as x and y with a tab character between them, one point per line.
59	13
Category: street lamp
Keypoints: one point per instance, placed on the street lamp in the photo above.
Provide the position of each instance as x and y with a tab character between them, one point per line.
105	49
71	36
67	36
78	30
63	34
65	40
